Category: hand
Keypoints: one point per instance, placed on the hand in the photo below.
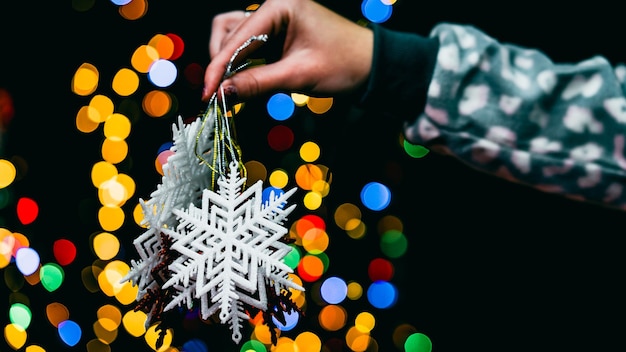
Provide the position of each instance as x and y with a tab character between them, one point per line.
323	53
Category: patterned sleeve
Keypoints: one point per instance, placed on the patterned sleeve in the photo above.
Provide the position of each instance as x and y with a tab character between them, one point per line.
512	112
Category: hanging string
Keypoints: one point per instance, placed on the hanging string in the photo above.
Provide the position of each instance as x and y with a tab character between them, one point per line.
225	147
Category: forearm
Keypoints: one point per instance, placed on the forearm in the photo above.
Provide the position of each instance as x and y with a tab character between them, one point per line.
512	112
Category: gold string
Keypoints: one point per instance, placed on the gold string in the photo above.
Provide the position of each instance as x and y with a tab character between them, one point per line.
225	147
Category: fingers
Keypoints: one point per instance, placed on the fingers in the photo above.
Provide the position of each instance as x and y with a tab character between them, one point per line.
266	20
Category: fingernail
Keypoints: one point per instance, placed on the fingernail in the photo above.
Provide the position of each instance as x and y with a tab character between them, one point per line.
231	92
204	93
231	96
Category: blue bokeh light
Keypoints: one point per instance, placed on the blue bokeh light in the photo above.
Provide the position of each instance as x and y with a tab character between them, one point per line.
27	260
195	345
382	294
375	196
69	332
270	193
121	2
376	11
280	106
162	73
291	320
334	290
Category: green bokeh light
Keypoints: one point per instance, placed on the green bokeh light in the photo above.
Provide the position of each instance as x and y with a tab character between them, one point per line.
418	342
293	258
52	276
20	315
393	243
415	150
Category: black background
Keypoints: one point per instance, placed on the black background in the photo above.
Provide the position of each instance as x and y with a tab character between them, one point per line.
492	266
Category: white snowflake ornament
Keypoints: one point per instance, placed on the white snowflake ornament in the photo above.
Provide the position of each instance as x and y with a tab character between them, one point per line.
231	250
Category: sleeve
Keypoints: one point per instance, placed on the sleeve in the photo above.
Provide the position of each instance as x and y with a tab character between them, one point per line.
512	112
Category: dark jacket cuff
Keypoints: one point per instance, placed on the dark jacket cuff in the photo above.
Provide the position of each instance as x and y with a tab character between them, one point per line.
402	67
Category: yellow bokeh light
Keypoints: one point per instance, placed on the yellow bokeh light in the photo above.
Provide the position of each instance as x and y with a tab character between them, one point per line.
109	316
355	228
279	178
152	335
262	333
309	151
143	57
138	216
312	200
357	340
127	294
83	121
322	187
252	7
128	183
102	108
114	151
117	127
105	245
352	224
112	193
365	322
15	336
308	342
105	335
307	174
125	82
299	300
7	173
110	218
295	293
363	343
85	80
285	344
319	105
102	171
135	322
110	279
355	290
346	212
34	348
299	99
